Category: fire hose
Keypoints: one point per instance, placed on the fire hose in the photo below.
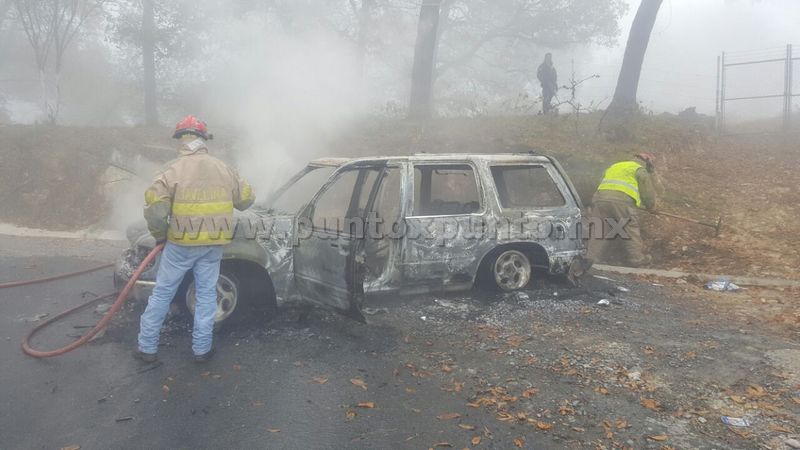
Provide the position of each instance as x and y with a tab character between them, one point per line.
121	297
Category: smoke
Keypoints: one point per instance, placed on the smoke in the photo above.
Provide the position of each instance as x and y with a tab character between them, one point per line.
287	96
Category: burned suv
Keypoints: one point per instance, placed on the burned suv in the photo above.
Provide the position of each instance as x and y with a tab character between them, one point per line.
345	228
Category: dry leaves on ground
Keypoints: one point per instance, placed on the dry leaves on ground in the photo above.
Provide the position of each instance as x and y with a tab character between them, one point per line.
779	428
543	425
359	382
650	403
755	390
320	380
368	405
448	416
528	393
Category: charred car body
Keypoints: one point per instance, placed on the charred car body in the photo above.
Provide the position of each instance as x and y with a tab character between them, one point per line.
345	228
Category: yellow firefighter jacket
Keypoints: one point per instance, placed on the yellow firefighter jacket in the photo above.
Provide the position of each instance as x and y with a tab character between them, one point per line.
191	201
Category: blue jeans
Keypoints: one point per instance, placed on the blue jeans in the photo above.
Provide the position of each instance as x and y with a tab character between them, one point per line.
175	261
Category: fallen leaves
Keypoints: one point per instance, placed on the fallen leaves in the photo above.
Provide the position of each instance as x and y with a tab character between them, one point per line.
448	416
738	399
367	405
71	447
528	393
274	430
165	389
650	403
779	428
658	437
755	390
467	427
443	444
601	390
544	426
504	416
320	380
519	442
475	440
649	349
359	382
456	386
350	414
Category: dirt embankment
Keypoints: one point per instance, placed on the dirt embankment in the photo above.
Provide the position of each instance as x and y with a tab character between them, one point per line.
55	177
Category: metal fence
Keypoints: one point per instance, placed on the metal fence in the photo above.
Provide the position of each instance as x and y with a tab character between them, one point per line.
767	62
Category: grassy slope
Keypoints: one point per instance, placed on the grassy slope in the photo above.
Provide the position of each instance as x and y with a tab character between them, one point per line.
50	176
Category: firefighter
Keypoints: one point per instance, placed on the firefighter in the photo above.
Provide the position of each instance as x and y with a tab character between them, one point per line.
189	207
626	187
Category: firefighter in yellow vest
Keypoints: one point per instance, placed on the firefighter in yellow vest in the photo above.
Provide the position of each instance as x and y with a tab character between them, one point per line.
189	207
626	187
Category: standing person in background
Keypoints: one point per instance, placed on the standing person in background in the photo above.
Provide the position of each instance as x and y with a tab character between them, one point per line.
189	208
549	80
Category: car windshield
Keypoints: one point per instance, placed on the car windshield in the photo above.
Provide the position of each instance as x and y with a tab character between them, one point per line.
299	190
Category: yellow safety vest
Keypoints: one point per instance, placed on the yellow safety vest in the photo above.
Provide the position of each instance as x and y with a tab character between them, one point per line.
622	177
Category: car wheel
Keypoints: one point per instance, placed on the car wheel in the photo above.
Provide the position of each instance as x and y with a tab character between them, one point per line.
510	270
230	307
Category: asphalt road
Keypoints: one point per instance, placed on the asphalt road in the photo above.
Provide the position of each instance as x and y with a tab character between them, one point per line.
545	369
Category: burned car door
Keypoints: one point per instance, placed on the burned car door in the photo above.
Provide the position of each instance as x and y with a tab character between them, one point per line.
329	257
445	225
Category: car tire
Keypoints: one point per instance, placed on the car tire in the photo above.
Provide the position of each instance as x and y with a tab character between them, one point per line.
255	300
508	270
231	303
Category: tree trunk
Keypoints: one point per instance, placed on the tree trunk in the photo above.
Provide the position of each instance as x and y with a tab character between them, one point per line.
421	105
624	100
149	63
5	7
364	30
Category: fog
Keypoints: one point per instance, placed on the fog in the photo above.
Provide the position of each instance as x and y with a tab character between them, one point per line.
680	69
300	58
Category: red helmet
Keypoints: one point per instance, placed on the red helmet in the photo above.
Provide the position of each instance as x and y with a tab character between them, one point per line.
191	125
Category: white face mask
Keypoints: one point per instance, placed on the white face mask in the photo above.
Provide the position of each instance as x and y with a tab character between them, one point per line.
195	144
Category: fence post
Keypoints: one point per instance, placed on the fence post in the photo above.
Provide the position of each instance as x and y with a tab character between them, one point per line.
789	82
786	90
716	102
722	96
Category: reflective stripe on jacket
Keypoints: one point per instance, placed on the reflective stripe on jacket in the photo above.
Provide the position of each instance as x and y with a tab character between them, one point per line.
622	177
191	201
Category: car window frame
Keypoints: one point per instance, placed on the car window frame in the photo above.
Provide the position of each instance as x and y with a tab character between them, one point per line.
478	184
558	181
